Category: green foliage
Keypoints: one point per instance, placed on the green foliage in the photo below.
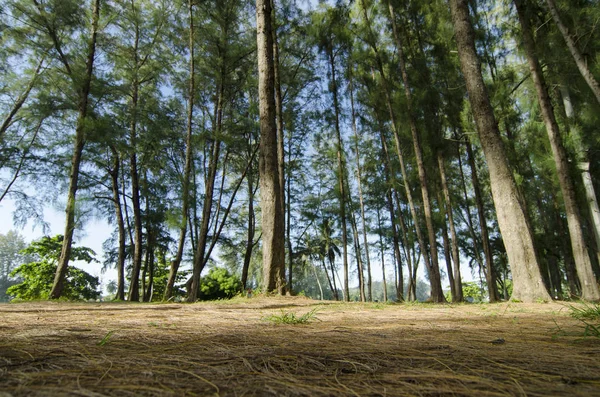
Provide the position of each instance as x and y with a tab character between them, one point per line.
219	284
292	318
38	276
589	315
11	245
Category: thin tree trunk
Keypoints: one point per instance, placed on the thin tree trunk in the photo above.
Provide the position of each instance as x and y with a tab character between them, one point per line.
458	297
79	142
185	193
20	100
114	175
331	285
134	294
270	193
437	294
583	166
389	182
512	218
577	56
341	171
490	272
589	288
360	192
382	252
251	231
279	123
207	204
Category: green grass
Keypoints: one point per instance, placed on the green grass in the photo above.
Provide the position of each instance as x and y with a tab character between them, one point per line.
292	318
589	315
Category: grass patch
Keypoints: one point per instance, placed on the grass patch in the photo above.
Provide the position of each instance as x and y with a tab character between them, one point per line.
589	316
292	318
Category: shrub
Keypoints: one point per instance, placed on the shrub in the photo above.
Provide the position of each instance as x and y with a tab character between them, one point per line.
219	284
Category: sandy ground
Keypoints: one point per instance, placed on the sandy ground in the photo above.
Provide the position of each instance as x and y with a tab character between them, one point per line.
231	349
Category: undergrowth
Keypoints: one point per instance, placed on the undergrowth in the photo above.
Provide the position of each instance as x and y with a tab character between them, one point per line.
589	315
292	318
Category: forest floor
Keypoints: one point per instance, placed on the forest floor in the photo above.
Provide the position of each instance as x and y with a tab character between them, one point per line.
236	348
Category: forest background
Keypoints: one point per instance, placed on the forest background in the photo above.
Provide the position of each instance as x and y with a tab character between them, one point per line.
383	164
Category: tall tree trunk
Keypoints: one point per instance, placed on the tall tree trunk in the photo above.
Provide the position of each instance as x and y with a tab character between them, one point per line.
589	288
114	176
490	272
341	171
331	285
577	56
360	192
134	293
437	294
411	204
185	193
82	108
458	297
382	252
279	123
584	168
251	230
389	181
270	193
512	219
357	250
209	187
20	100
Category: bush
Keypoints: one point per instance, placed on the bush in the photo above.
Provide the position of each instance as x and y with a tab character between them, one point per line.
219	284
37	276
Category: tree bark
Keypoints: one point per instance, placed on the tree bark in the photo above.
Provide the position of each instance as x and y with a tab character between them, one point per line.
185	193
341	171
584	168
20	100
215	150
382	252
458	297
437	294
490	272
114	176
270	193
512	219
577	56
589	288
360	192
280	129
82	107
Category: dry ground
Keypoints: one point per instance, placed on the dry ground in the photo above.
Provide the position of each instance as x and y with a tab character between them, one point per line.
229	349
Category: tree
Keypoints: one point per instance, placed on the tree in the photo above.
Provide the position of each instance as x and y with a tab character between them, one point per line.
270	194
589	288
512	218
37	276
11	245
83	84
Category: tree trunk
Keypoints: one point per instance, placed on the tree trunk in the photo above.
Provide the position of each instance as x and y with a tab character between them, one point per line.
584	167
437	294
82	107
199	258
360	192
185	193
577	56
512	219
490	272
251	231
20	100
114	176
341	171
270	193
382	252
279	123
458	297
134	293
589	288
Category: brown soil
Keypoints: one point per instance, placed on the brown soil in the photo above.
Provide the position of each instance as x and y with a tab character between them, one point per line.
230	349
